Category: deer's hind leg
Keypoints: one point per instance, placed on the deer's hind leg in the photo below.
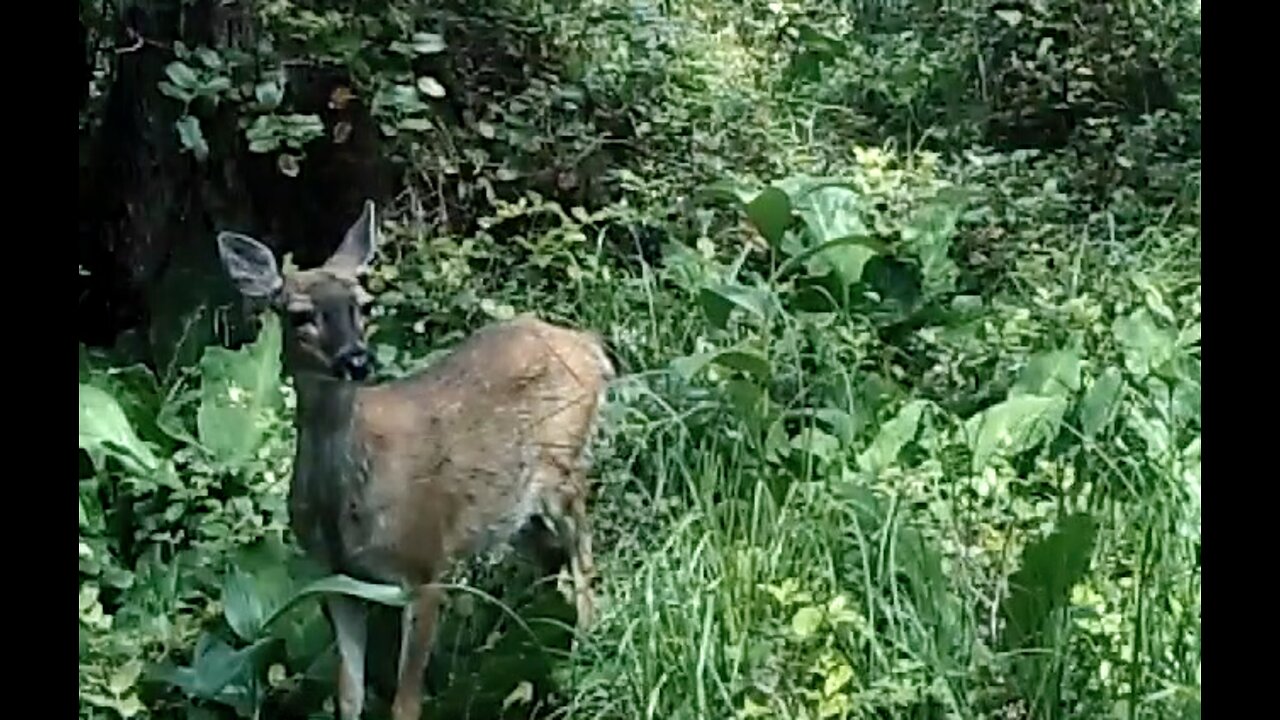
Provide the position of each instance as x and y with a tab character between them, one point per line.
568	513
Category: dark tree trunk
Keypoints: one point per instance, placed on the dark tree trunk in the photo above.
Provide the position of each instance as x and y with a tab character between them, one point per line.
150	210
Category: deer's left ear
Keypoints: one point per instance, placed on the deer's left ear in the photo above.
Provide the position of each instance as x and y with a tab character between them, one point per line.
250	265
355	253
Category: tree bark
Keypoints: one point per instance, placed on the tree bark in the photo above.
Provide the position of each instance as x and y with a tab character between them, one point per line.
150	210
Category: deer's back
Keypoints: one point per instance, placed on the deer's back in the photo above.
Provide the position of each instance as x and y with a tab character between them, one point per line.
461	454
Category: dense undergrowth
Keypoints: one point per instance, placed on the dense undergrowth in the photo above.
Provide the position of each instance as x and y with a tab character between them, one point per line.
907	298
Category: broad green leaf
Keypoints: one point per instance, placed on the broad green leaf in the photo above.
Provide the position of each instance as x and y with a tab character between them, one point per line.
222	674
523	694
1147	346
719	301
1012	17
240	390
1042	584
806	621
210	58
770	213
746	360
192	137
181	75
731	191
106	431
837	679
430	87
928	236
269	93
832	214
391	595
414	124
893	436
124	677
1056	372
816	443
428	43
1097	407
136	389
1013	426
243	608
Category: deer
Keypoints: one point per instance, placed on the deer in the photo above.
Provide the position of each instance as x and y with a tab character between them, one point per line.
394	481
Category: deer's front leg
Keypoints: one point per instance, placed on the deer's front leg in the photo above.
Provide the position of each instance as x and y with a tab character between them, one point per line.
351	632
418	627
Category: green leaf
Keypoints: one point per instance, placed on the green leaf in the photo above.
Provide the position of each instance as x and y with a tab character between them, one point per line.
832	216
222	674
719	301
239	391
192	137
106	431
1098	405
806	621
816	443
241	605
182	76
1011	17
832	212
770	213
1042	584
837	679
210	58
928	236
428	43
124	677
893	436
390	595
740	358
269	94
415	124
1013	426
430	87
1147	346
1050	373
180	94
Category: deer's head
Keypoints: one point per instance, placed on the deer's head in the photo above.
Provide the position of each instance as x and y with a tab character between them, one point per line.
322	307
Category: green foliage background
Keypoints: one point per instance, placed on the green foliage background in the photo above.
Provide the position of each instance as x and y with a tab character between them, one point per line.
907	296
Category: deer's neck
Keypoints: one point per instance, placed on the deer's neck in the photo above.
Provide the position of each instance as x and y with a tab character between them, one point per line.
326	422
330	464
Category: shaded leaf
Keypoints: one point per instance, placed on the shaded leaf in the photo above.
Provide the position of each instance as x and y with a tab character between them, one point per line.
1013	426
181	75
770	213
1042	584
746	360
238	394
430	87
719	301
1056	372
1147	346
816	443
106	431
893	436
1097	407
806	621
427	43
192	137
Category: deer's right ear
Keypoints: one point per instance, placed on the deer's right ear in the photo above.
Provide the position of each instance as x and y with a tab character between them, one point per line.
250	264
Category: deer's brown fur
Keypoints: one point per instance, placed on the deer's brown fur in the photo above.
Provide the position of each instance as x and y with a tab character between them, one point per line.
394	481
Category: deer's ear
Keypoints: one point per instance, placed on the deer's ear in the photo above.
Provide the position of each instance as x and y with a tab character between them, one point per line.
355	253
250	264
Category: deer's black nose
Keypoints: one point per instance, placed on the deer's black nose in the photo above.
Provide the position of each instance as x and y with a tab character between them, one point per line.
354	364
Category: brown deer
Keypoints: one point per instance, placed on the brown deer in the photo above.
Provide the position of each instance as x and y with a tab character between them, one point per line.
392	482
